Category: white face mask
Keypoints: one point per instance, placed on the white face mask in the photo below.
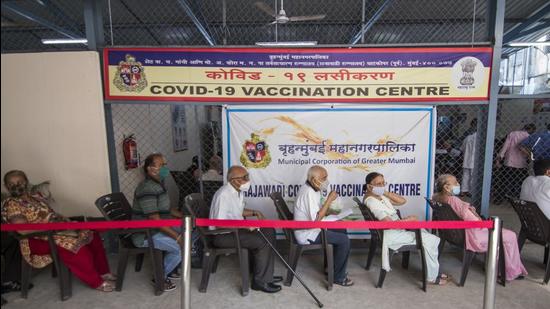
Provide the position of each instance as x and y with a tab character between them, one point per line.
245	186
378	190
324	185
455	190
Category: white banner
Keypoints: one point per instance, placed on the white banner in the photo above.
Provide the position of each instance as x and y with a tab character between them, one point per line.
278	145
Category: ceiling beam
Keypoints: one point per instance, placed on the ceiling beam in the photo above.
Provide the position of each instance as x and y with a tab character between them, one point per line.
519	30
202	29
56	10
15	9
366	27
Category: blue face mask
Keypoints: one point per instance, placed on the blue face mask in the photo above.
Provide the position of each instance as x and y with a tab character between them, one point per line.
456	190
164	172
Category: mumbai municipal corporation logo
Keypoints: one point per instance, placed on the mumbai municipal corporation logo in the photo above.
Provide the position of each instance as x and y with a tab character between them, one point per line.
468	73
130	75
255	153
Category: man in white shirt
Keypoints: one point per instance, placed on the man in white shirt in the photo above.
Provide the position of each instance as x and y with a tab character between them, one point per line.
312	206
537	188
214	172
468	149
228	204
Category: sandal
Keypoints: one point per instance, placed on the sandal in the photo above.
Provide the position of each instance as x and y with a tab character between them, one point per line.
105	287
442	279
346	282
108	277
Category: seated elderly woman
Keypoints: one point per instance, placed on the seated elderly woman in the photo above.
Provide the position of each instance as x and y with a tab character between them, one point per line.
82	251
381	203
447	189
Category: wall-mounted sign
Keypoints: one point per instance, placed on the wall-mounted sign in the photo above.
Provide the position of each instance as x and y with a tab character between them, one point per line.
297	75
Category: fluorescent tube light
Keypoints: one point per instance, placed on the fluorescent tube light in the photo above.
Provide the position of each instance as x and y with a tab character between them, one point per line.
527	44
64	41
300	43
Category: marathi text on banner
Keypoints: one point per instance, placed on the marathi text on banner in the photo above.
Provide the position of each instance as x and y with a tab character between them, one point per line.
308	75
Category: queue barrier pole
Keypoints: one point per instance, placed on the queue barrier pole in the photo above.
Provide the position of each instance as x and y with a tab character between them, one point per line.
491	269
186	263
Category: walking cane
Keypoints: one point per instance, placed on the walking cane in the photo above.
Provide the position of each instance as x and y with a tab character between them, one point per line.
290	268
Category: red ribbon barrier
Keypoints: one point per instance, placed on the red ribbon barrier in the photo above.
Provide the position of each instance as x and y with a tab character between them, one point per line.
136	224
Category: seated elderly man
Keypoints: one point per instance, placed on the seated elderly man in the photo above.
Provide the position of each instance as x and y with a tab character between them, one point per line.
228	203
537	188
215	169
312	206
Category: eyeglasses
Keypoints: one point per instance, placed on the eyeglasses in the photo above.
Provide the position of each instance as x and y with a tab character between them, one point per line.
245	177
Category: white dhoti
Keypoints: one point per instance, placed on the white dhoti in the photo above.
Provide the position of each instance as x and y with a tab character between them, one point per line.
467	179
395	239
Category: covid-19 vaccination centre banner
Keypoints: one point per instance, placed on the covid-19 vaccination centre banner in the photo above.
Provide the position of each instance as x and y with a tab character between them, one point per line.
278	145
297	75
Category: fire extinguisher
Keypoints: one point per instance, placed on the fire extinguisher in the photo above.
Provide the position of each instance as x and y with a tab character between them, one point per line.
129	148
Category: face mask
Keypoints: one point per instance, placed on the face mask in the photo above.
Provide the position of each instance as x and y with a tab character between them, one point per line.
324	185
164	172
378	190
18	189
245	186
456	190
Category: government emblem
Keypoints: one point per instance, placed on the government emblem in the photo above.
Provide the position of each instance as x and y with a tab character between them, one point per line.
255	153
130	75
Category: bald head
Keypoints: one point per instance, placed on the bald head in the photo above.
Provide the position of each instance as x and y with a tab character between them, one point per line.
236	172
316	175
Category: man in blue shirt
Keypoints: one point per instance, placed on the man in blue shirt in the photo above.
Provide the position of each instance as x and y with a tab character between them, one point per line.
537	145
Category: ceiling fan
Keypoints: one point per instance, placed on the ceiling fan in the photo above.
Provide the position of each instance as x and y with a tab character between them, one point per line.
281	17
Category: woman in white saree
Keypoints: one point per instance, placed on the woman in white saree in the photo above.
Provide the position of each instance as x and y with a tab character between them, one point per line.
381	203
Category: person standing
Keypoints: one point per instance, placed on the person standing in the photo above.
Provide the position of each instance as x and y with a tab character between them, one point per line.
514	160
537	145
469	151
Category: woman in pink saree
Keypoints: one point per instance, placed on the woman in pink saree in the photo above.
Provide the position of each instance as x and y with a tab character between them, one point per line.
447	189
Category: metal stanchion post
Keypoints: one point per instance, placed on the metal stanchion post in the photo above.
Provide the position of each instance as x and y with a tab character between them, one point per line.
186	263
491	269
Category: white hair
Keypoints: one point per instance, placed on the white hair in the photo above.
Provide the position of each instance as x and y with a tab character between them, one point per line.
314	171
441	181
